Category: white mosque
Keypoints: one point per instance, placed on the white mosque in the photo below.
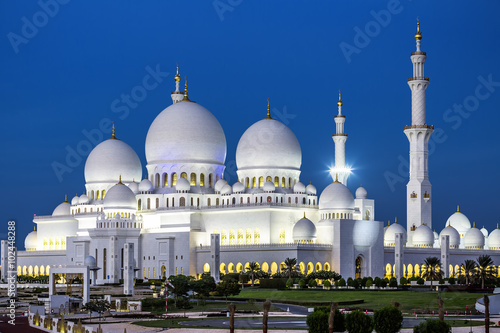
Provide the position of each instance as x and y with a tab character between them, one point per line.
184	218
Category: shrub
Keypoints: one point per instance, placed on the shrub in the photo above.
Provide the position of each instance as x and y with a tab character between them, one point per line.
302	283
318	320
432	325
393	282
451	281
420	281
349	282
327	283
231	277
403	281
289	283
383	283
388	320
276	283
340	283
312	283
364	281
377	281
358	322
441	281
355	284
369	283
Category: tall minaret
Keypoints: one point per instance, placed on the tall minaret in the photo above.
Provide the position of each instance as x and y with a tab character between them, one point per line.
418	190
177	95
340	172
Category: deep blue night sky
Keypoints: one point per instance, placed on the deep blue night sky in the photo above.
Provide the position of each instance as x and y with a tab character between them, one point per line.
63	77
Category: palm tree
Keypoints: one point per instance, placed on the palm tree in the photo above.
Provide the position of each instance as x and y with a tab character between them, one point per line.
431	270
252	268
290	264
468	269
485	270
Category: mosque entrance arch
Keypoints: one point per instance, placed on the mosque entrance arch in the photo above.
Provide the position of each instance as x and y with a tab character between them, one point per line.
163	271
358	265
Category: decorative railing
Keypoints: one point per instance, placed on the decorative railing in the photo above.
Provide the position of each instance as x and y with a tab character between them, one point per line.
420	126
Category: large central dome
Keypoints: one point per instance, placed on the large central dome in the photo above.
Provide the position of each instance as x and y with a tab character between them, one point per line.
185	132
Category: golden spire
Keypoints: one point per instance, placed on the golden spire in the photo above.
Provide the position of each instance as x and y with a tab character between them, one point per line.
423	222
113	131
304	214
177	76
336	178
458	208
497	225
474	224
389	223
186	97
268	110
65	198
120	181
396	220
339	103
418	35
449	223
34	228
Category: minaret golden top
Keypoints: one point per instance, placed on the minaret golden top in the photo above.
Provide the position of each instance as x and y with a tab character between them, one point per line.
268	110
113	131
339	103
177	76
120	181
396	220
418	34
186	97
65	198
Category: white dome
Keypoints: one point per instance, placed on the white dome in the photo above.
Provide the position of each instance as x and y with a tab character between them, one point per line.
423	236
220	184
484	231
145	185
75	200
185	132
365	234
311	189
120	197
182	185
304	230
110	160
474	239
226	190
83	199
62	209
268	143
299	188
269	187
390	234
238	187
336	196
134	187
460	222
454	236
361	193
30	241
494	239
89	261
436	236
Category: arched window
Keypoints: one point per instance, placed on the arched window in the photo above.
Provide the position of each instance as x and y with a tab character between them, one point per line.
283	182
282	236
269	179
206	268
289	200
184	175
209	201
193	179
223	237
174	179
191	202
326	267
202	179
318	266
249	236
103	193
217	202
290	182
35	271
166	202
247	182
296	200
42	270
182	202
157	180
91	197
254	182
261	181
47	270
198	202
241	201
240	236
165	179
30	270
149	204
173	202
157	203
269	199
276	181
97	195
231	237
210	180
304	201
248	200
234	201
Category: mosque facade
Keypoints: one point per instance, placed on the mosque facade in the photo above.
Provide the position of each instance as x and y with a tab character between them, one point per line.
182	217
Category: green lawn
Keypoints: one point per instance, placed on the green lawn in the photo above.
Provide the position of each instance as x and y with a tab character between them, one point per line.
410	301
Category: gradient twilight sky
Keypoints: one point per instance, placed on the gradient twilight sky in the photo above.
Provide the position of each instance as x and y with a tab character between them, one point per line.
64	76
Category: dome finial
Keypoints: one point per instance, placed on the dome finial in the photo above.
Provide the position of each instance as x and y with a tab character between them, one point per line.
120	181
418	34
65	198
186	97
497	225
423	222
177	76
336	178
458	208
339	103
113	131
474	224
34	227
396	220
389	223
268	110
304	214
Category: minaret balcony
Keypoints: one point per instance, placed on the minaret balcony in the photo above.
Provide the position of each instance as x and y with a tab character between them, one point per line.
418	78
340	134
418	53
420	126
427	196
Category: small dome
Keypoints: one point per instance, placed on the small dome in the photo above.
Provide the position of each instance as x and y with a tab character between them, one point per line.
299	188
390	234
460	222
484	231
120	197
474	239
269	186
226	190
83	199
220	184
361	193
238	187
145	185
494	239
89	261
30	241
336	196
134	187
454	236
182	185
304	230
62	209
436	236
75	200
311	189
423	236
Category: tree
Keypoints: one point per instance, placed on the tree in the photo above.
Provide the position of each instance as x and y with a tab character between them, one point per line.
228	288
290	265
485	270
388	320
358	322
182	286
468	269
432	325
204	286
100	306
252	269
431	270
